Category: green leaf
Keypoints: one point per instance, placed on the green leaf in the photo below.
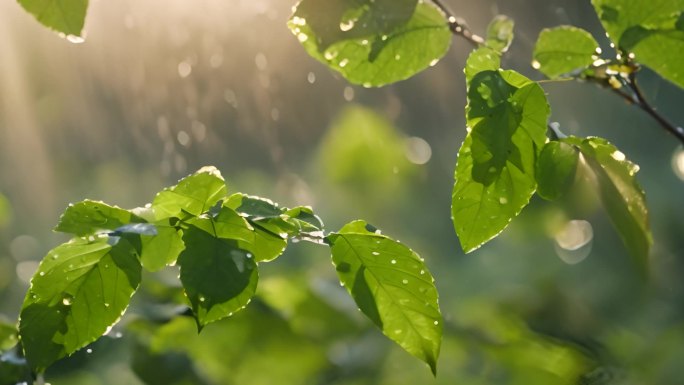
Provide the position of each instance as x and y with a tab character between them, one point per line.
289	222
218	274
392	286
556	169
65	16
80	290
90	217
162	249
563	50
8	335
507	115
481	59
387	41
500	33
194	194
620	193
651	30
269	222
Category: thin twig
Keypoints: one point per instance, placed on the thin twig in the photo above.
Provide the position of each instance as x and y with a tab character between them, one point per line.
677	131
635	96
458	27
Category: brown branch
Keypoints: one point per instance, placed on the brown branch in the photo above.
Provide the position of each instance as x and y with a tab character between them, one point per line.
458	26
641	101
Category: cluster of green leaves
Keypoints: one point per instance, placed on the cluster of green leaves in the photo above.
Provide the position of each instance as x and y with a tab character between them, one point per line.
644	32
507	156
84	286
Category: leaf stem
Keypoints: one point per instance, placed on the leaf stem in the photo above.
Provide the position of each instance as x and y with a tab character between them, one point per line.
458	26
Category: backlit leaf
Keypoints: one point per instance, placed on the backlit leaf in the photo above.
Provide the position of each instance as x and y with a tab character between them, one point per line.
481	59
372	43
193	194
65	16
651	30
500	33
80	290
161	249
392	286
563	50
218	275
507	115
620	193
89	217
556	169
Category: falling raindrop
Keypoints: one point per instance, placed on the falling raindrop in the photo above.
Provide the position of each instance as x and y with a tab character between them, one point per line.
260	61
183	138
184	69
348	93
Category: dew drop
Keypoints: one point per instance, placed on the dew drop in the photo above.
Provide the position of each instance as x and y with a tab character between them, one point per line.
348	93
75	39
346	26
89	350
343	63
202	299
405	281
67	300
503	200
329	55
436	323
434	62
394	261
536	65
42	273
375	253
